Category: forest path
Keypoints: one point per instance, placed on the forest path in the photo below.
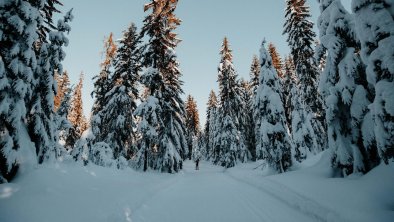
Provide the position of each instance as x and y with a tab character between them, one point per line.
209	194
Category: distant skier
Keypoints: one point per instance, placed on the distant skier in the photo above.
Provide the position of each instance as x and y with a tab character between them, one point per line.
197	162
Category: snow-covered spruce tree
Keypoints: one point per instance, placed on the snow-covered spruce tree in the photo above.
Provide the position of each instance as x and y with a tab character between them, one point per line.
303	135
19	21
229	143
117	116
299	121
272	139
41	120
202	146
101	154
214	132
276	59
246	118
149	112
63	125
197	150
375	28
63	86
192	122
87	151
83	147
288	83
230	147
212	105
162	78
101	88
254	74
345	89
301	40
75	115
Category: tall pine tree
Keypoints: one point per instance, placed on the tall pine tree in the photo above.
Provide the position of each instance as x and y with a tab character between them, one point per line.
229	144
305	141
63	86
246	118
209	129
118	121
272	139
288	83
63	126
76	115
300	37
41	119
19	21
345	89
162	128
192	122
101	88
375	28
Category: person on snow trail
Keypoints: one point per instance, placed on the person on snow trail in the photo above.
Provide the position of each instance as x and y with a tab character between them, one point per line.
197	162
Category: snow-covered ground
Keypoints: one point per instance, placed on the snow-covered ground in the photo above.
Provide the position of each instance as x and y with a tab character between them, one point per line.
67	192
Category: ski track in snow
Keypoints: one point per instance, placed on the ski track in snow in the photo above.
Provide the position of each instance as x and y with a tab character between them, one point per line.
293	199
211	195
127	211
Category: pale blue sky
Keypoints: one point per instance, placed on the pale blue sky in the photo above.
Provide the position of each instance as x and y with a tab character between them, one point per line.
205	23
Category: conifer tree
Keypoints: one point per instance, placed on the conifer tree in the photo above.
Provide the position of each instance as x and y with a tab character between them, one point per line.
76	115
41	119
192	122
246	118
214	131
197	151
273	142
289	82
276	60
118	121
148	127
345	89
101	83
212	106
228	84
301	39
163	133
254	74
229	144
19	21
101	88
63	125
305	141
63	86
375	28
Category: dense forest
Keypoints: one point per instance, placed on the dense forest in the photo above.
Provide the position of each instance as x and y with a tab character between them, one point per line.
335	91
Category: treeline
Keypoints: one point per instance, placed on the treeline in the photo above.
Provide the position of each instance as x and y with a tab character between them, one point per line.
335	93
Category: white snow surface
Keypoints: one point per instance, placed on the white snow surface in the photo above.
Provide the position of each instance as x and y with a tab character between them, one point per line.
69	192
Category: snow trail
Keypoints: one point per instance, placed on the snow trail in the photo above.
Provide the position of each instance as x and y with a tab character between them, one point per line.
211	195
293	199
